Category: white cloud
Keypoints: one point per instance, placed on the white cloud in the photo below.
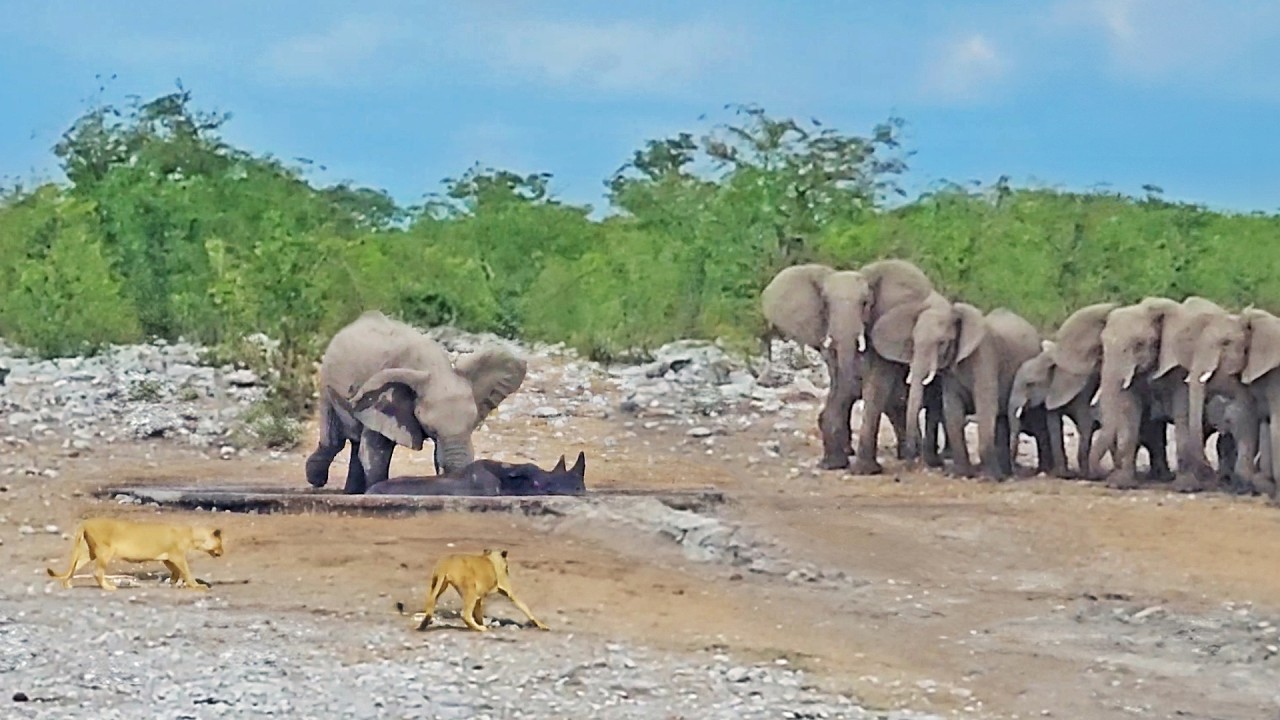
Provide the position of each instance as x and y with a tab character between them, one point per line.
1179	40
964	69
616	56
331	56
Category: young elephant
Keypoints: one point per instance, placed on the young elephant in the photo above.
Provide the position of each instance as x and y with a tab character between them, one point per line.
976	358
1027	398
384	383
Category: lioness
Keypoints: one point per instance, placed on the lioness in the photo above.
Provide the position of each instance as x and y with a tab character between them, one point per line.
474	577
105	539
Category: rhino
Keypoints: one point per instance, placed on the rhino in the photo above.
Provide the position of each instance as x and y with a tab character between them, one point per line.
491	477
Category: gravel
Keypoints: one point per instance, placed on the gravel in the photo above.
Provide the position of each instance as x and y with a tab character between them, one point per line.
162	654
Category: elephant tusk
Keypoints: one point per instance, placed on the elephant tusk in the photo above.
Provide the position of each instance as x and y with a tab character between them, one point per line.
1097	394
826	343
928	378
1204	377
1127	382
862	343
908	377
1017	413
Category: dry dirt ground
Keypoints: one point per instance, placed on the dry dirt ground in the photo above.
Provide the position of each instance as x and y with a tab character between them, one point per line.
1031	598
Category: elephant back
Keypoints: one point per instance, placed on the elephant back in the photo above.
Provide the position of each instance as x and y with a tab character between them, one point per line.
375	342
1016	339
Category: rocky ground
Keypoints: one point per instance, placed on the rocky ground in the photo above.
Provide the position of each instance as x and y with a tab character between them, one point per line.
811	594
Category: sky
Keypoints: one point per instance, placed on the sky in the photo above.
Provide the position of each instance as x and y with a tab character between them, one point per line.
1072	94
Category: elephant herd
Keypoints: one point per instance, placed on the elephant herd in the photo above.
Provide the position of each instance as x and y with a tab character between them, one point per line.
1122	374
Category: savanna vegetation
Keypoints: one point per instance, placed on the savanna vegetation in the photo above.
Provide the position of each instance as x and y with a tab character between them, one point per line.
163	229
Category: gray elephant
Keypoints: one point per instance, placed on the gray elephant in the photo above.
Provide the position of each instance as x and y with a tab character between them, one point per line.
975	356
384	383
1027	398
1214	361
833	311
1062	379
1262	376
1147	348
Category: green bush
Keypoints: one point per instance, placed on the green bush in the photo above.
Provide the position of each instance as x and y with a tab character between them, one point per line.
164	229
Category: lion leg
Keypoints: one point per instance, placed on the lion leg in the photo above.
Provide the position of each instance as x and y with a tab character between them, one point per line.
174	573
522	607
438	586
478	613
184	571
101	558
470	599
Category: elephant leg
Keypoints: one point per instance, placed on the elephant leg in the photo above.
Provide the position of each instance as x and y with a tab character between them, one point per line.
877	386
1081	413
1229	455
332	440
375	456
355	470
834	419
1057	445
1124	454
897	414
1000	448
988	452
1153	437
932	424
954	416
1193	471
1243	425
1268	443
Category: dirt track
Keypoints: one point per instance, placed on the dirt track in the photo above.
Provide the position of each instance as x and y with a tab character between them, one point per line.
1025	599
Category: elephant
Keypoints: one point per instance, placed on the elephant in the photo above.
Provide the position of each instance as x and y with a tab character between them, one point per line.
976	357
1147	348
1262	376
384	383
1027	396
490	477
1219	344
833	311
1063	379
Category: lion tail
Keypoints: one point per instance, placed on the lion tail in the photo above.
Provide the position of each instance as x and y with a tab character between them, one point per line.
75	551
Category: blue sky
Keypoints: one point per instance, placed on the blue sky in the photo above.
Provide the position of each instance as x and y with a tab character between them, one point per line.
398	95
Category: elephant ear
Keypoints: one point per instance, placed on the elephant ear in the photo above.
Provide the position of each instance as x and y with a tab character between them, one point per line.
891	334
1064	386
1264	344
972	328
494	373
385	403
793	303
1079	339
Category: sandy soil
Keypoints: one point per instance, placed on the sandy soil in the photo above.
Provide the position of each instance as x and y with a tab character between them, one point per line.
1000	600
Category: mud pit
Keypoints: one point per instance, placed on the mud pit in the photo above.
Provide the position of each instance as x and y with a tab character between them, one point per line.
1033	598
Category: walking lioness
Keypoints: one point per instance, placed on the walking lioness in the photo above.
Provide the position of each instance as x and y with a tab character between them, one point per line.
105	539
474	577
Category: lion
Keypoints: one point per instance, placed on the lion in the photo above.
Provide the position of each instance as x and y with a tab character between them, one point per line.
105	539
474	577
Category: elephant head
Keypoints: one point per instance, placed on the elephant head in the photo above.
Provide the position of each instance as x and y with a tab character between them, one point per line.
1263	330
1131	340
825	309
929	337
1032	382
409	404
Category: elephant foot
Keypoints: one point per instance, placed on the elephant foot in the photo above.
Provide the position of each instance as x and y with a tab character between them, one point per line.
933	460
961	471
1187	483
834	461
865	466
1263	486
1064	473
1122	480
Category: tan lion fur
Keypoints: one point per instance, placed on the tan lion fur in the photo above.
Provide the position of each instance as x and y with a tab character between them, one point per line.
105	539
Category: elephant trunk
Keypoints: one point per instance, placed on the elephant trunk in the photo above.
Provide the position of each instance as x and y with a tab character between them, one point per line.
921	374
1198	375
453	454
1017	403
